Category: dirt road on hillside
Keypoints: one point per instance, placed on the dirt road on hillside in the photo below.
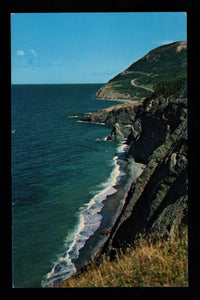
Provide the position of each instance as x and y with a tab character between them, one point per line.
139	86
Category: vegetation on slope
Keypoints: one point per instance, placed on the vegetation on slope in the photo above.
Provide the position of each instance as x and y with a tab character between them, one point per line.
170	87
163	64
159	263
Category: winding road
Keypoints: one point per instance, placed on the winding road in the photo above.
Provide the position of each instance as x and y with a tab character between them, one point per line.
139	86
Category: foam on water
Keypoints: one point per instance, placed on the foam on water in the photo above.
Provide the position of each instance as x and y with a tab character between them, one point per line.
89	222
73	116
80	121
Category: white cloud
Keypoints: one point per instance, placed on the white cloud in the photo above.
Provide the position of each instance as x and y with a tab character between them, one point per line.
20	53
33	52
165	42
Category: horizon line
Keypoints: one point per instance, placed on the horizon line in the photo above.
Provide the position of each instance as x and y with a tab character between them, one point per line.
57	83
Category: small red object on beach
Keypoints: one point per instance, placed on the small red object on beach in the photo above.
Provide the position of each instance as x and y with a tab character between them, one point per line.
105	232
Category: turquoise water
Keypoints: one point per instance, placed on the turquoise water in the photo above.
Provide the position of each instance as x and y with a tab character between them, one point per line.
59	165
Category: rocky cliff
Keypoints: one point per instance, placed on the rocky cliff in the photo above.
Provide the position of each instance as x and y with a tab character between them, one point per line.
155	128
157	202
156	132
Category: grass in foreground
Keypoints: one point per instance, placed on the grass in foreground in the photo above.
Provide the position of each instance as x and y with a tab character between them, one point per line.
163	263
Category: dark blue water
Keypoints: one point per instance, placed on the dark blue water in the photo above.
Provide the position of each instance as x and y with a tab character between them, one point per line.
61	168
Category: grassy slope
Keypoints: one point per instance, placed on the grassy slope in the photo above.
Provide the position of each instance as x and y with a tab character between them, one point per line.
163	263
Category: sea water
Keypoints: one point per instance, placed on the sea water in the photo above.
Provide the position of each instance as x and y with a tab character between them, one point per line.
62	170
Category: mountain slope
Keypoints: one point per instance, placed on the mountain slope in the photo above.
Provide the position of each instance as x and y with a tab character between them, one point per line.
164	66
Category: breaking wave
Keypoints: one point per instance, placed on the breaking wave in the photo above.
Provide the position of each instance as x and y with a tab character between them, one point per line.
89	221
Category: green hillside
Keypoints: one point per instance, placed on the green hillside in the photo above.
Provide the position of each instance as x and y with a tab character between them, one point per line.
162	69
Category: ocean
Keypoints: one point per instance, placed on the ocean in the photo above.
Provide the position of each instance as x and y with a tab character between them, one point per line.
62	172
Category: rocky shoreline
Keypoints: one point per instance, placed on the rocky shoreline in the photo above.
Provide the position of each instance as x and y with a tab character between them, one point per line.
156	132
153	199
112	208
125	172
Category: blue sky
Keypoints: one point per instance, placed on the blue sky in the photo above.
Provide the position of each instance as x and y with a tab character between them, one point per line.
86	47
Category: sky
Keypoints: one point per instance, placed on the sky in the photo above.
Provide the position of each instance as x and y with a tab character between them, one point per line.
53	48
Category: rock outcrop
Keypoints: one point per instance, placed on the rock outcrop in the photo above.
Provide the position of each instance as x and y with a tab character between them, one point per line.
123	113
120	116
156	132
155	120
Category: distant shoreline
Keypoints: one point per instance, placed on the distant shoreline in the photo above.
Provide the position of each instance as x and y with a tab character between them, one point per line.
137	102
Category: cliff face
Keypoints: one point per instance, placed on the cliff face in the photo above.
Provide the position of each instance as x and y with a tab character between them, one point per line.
155	128
155	120
157	202
156	132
